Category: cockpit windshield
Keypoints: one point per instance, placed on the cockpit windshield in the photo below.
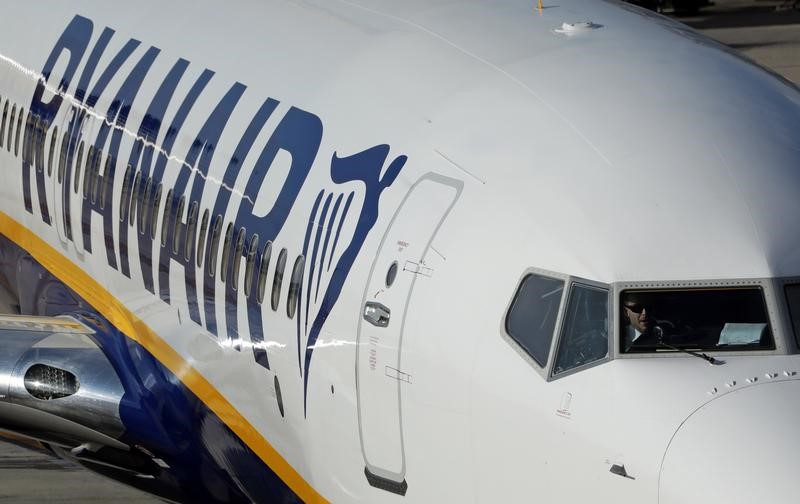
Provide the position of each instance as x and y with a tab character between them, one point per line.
694	319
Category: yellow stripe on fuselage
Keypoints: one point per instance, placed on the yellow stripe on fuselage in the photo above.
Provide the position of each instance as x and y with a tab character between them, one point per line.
134	328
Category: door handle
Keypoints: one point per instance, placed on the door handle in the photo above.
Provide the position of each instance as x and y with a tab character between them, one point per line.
377	314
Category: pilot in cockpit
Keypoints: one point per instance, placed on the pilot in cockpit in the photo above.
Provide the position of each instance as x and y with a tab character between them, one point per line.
642	328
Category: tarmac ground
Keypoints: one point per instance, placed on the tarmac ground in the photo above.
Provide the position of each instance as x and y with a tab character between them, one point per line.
31	476
766	31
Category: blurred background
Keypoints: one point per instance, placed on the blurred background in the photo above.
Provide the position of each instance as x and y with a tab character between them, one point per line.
767	31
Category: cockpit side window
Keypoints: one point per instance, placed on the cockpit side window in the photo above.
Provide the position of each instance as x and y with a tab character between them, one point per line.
584	337
531	320
708	319
793	298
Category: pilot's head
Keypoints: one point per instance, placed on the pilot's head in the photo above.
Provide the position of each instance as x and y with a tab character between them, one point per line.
635	310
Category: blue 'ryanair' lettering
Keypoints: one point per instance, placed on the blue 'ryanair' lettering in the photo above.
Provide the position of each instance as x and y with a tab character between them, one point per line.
74	41
197	161
223	198
142	151
298	133
164	151
93	182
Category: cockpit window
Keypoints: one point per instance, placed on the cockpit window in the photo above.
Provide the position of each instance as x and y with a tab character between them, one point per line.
694	319
531	320
793	298
584	338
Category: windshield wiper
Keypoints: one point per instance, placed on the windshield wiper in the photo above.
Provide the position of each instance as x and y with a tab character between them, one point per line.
711	360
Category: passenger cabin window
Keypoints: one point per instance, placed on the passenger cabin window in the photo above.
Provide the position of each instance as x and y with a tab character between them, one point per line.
201	238
39	134
41	145
176	238
694	319
190	230
793	298
137	182
226	252
87	171
278	279
531	320
143	213
236	257
19	127
41	142
107	186
154	212
266	255
62	158
295	282
53	140
30	143
11	127
35	143
3	124
126	190
165	218
96	180
584	335
252	250
214	248
77	173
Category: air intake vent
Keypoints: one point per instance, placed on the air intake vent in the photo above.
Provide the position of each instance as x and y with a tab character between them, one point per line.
46	382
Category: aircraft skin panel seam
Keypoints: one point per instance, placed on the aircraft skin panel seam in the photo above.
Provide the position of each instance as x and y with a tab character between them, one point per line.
135	329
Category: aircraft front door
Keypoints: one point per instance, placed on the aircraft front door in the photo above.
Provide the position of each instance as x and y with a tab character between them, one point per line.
398	265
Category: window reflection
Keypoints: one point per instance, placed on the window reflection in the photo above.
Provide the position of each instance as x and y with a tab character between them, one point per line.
694	319
531	320
585	335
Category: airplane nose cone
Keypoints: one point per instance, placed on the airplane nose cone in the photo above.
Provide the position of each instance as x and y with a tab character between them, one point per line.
741	448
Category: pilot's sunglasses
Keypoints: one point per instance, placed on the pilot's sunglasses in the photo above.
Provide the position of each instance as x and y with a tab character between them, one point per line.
635	307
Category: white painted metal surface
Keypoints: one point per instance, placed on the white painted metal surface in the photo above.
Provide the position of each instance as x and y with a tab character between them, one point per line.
636	151
379	372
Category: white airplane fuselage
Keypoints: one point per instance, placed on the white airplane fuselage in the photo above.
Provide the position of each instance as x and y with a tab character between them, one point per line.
409	164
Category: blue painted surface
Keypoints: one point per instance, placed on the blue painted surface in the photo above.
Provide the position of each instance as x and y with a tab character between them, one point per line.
208	462
143	150
320	223
298	133
306	241
329	227
339	228
365	167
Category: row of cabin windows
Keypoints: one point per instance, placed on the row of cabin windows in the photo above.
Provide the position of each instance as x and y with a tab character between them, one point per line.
143	197
136	194
35	142
9	134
